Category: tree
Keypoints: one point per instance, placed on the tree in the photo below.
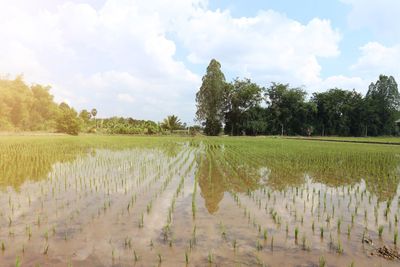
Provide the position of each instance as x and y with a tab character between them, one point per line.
68	120
85	115
24	107
210	99
254	121
171	123
339	112
382	104
287	109
94	113
43	109
241	95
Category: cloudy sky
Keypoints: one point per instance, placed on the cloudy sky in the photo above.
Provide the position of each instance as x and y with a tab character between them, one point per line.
145	59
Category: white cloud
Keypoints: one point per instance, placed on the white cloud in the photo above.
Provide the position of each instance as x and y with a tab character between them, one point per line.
375	59
126	98
120	55
378	59
94	56
344	82
382	17
269	46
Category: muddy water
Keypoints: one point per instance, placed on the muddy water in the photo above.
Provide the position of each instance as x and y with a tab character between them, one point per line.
196	206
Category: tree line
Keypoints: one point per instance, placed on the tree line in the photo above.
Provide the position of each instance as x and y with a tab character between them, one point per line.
244	107
32	108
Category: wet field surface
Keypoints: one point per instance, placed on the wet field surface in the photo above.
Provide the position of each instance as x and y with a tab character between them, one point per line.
199	202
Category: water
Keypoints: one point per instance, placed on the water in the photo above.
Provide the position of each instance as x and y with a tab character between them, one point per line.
199	203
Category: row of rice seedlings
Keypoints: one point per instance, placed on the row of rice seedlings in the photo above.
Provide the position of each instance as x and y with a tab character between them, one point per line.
81	184
328	217
158	194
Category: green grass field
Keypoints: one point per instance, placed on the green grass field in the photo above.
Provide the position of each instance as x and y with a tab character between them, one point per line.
390	140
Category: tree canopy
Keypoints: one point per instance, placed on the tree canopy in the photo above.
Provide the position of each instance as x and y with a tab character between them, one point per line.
26	108
244	107
210	99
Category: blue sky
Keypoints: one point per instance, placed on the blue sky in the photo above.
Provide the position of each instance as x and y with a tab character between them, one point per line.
145	59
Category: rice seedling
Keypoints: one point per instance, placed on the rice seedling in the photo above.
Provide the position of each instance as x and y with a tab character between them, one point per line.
210	257
272	243
234	244
302	186
17	262
135	256
186	258
303	242
265	234
339	247
380	231
322	262
46	249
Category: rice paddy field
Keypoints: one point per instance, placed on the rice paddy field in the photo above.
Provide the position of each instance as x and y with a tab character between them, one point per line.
377	140
176	201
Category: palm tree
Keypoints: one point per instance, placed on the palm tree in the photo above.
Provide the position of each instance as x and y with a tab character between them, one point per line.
94	113
171	123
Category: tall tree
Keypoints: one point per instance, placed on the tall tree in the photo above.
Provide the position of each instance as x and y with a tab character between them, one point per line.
94	113
382	105
210	99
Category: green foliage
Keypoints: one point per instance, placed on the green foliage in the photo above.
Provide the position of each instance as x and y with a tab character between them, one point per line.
172	123
210	99
289	112
25	108
85	116
382	104
32	108
241	96
68	120
339	112
119	125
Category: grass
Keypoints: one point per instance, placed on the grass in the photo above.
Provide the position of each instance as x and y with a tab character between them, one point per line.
390	140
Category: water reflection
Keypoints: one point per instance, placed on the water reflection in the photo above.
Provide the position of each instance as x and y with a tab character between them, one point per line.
32	160
243	168
25	162
104	195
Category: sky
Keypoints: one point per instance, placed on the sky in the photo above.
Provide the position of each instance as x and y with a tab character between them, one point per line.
145	59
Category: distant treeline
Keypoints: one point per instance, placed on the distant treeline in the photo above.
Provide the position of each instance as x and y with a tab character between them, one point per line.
32	108
243	107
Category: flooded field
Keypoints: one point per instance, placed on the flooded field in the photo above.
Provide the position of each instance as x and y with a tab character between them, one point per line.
162	201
